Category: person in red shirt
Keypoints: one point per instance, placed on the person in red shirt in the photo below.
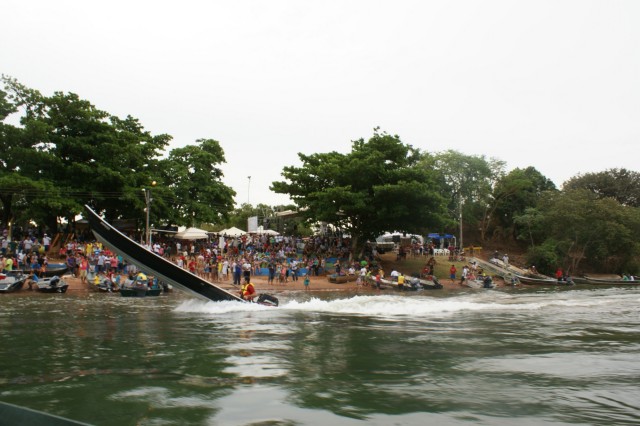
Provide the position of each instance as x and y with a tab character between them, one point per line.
248	291
452	273
192	265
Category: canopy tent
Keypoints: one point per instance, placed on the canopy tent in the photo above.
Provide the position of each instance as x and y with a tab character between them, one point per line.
192	234
232	232
262	231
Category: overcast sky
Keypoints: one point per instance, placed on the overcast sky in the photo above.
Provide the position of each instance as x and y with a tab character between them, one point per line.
550	84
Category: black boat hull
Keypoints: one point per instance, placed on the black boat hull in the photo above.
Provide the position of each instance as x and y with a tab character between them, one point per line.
153	264
140	292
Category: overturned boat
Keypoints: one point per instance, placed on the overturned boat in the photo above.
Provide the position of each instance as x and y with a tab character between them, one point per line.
53	284
12	281
155	265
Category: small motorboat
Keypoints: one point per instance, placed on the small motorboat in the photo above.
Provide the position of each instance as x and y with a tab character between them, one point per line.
53	284
610	281
53	269
267	300
542	281
480	282
431	283
12	281
140	288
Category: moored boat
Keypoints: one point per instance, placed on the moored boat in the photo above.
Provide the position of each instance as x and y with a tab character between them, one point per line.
51	285
542	281
54	269
338	279
140	291
485	282
610	281
12	281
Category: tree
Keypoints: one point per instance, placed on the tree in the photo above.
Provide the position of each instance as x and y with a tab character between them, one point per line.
379	186
466	182
68	153
620	184
601	232
20	162
192	175
514	193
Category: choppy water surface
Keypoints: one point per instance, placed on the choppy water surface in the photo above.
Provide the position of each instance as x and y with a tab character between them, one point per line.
525	356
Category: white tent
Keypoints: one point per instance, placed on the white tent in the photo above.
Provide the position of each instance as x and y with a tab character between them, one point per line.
262	231
232	232
192	234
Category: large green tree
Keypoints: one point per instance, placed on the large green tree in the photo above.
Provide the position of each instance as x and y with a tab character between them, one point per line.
21	182
513	194
467	182
193	175
381	185
67	153
584	228
620	184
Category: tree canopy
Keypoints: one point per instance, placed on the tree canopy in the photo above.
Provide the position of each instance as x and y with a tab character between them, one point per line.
380	185
579	227
620	184
66	153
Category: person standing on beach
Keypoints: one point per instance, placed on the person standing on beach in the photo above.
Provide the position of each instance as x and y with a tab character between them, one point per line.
452	273
306	282
46	242
294	270
272	272
84	267
236	268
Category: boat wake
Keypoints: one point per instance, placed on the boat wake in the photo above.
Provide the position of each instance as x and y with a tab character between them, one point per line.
391	306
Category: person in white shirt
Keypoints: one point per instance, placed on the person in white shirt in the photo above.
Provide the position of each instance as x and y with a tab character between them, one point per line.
46	242
394	275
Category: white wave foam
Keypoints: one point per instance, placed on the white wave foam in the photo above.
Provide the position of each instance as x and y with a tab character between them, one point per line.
417	306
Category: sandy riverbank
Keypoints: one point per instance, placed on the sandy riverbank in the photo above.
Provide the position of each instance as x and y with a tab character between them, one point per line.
317	284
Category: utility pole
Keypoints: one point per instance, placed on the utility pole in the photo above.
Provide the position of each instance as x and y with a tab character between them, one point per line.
147	198
249	190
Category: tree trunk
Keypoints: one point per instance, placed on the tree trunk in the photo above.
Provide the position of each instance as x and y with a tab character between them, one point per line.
7	213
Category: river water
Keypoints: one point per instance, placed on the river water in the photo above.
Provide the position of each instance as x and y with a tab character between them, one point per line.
529	356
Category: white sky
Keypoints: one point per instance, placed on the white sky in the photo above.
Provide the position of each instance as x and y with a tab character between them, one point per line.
550	84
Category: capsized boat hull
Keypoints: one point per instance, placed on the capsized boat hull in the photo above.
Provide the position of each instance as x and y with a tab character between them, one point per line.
153	264
140	292
52	285
12	281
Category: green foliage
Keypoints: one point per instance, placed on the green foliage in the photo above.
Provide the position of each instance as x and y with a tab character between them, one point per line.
514	193
192	174
600	231
68	153
620	184
466	183
544	257
531	225
379	186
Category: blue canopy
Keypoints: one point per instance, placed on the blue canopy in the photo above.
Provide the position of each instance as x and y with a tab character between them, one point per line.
433	235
